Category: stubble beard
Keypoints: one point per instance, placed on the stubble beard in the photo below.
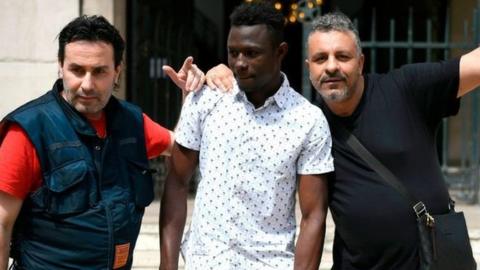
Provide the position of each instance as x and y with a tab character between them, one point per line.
73	99
333	95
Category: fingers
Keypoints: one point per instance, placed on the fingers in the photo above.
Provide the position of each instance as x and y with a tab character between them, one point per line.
172	74
209	81
200	81
195	79
216	83
224	84
187	64
228	82
189	77
220	77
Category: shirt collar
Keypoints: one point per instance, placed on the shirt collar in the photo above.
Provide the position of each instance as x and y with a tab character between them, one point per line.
280	97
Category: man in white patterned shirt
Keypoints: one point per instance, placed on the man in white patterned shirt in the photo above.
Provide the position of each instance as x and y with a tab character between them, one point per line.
251	145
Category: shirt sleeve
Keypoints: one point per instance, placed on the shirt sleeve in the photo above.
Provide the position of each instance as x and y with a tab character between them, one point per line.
20	172
196	107
434	88
157	138
316	156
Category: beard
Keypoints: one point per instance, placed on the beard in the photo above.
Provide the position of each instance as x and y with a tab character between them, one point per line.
336	94
95	106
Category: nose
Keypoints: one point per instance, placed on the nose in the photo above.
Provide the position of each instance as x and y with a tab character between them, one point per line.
87	82
331	65
241	62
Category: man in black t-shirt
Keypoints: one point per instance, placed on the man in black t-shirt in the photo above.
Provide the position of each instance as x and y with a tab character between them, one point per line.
395	116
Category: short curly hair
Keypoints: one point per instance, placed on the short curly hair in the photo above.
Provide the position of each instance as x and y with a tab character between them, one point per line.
260	12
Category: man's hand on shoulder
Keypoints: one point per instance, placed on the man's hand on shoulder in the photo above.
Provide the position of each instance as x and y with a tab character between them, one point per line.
220	77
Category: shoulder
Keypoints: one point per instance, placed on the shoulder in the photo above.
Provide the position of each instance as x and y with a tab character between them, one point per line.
36	112
127	108
425	71
299	104
203	101
205	96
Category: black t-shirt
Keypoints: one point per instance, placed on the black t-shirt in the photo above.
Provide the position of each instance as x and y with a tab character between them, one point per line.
396	121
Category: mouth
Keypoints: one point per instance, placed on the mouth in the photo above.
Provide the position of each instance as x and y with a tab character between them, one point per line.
87	98
333	80
243	76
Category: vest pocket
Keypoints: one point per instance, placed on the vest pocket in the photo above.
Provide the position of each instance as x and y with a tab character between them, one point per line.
66	190
142	183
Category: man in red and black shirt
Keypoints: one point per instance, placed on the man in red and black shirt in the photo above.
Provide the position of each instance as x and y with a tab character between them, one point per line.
74	175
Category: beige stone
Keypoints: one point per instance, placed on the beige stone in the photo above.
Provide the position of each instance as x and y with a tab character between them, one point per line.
22	81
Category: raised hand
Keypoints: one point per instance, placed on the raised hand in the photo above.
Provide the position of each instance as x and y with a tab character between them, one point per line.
188	78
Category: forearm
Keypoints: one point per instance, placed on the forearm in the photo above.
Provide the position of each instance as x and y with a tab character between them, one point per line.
308	252
9	209
5	235
313	198
172	221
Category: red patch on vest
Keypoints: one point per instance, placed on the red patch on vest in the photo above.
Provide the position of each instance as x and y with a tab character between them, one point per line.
121	255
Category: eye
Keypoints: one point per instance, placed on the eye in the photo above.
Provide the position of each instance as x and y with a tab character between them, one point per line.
251	53
76	70
232	53
319	58
99	71
344	57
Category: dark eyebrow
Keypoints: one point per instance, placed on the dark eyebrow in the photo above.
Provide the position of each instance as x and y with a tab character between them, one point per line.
74	65
100	67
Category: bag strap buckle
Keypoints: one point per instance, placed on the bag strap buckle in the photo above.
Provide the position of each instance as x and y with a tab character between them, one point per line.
420	210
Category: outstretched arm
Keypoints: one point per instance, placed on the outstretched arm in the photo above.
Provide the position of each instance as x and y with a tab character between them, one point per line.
9	209
188	78
469	72
313	199
173	209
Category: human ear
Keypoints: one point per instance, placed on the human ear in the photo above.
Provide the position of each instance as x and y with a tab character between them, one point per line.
282	50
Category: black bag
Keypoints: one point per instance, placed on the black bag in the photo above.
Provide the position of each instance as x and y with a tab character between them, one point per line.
444	243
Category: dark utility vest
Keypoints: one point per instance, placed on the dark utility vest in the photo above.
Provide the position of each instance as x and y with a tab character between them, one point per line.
88	211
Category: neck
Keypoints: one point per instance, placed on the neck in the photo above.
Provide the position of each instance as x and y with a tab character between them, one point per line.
347	107
258	96
94	116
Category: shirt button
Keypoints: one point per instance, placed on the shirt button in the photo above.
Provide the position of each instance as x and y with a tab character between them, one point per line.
97	147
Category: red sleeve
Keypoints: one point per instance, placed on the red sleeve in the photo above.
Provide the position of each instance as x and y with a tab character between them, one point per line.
20	171
157	138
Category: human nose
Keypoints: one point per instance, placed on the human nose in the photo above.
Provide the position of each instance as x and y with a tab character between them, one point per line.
87	82
332	65
241	62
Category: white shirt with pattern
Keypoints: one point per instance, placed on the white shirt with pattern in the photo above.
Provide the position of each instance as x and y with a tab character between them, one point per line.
244	212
